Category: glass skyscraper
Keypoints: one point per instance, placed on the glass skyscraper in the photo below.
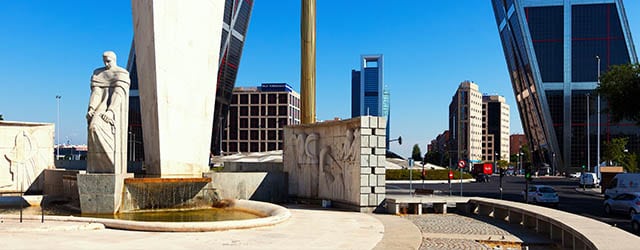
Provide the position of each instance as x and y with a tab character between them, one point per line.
234	30
551	48
369	96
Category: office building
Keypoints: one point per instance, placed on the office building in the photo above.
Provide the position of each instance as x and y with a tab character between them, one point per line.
369	96
495	128
465	124
553	49
516	142
257	117
234	30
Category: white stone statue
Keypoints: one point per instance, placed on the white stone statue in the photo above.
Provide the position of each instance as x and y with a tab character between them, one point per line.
107	118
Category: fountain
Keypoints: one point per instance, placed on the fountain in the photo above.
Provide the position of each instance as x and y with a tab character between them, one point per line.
177	49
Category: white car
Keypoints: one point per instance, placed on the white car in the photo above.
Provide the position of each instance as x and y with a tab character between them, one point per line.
542	194
575	175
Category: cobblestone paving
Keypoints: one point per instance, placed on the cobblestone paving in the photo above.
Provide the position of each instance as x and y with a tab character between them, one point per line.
454	224
440	243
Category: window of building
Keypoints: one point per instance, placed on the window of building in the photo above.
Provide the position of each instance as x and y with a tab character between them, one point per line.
272	110
272	146
254	146
244	147
255	99
283	98
234	99
233	147
263	110
244	123
282	110
255	123
244	135
244	99
272	98
254	135
272	135
244	111
255	111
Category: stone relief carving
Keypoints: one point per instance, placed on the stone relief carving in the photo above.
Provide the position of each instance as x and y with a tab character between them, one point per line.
107	118
23	161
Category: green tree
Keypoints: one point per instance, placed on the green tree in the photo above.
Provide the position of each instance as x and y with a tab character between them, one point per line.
620	86
416	154
1	117
433	157
503	164
614	150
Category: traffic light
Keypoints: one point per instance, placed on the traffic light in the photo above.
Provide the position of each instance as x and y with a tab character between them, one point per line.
527	173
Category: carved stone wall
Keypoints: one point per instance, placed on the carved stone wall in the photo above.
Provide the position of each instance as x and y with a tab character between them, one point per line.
342	161
26	149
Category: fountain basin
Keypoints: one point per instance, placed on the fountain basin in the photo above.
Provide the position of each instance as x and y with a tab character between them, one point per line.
275	214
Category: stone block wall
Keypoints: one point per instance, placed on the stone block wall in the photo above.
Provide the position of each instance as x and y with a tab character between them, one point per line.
342	161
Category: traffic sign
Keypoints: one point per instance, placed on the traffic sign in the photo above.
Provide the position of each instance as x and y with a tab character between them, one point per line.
461	164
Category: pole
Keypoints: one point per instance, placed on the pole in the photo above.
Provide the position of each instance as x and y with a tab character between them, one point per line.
461	168
58	126
308	61
410	176
588	134
598	137
450	170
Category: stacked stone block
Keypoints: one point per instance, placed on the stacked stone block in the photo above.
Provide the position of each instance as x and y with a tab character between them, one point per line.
372	160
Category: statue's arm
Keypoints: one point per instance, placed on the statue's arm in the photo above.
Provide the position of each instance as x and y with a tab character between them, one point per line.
94	100
116	101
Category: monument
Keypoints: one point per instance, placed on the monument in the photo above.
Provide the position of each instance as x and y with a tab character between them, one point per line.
107	117
177	52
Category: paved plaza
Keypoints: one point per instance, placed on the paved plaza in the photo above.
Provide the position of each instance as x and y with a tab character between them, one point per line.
309	227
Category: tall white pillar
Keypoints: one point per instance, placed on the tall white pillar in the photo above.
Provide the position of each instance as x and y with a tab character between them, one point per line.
177	47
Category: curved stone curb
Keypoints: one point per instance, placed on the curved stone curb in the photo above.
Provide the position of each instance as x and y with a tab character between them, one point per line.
275	215
568	229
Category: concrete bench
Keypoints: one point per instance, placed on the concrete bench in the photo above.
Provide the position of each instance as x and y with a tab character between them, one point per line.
394	205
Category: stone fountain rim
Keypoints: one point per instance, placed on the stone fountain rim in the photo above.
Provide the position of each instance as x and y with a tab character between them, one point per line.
275	214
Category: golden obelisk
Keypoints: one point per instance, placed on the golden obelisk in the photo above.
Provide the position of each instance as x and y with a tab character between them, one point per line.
308	60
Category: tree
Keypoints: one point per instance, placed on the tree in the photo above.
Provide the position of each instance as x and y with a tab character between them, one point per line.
1	117
416	154
502	164
615	151
620	86
433	157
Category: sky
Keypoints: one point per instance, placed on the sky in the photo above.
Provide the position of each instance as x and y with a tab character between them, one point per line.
51	47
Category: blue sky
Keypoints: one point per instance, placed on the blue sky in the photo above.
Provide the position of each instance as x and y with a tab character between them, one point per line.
51	47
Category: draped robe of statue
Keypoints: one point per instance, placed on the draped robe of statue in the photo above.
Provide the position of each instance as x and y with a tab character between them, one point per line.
107	143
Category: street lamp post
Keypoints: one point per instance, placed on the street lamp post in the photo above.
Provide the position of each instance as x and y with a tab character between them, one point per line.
598	137
58	126
499	172
588	135
553	164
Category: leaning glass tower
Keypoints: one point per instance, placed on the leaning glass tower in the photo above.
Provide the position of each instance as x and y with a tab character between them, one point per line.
553	49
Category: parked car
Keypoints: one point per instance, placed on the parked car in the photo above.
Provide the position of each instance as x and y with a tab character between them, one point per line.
626	203
635	223
542	194
623	183
589	180
575	175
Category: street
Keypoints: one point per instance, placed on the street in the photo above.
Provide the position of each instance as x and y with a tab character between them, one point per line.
587	204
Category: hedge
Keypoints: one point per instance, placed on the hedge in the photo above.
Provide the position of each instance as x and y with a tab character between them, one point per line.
403	174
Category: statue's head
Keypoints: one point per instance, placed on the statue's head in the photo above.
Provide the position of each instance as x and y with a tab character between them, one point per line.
109	59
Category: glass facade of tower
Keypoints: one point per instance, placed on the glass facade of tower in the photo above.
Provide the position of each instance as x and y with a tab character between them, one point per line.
368	94
235	22
551	47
